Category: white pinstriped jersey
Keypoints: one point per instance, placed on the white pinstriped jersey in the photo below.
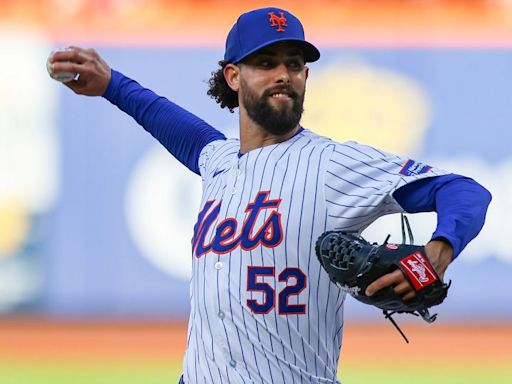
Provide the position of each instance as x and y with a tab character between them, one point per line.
262	309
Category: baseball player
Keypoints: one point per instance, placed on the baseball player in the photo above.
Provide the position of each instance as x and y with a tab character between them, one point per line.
262	308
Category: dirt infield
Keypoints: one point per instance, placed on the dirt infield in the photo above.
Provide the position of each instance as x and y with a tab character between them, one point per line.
485	345
77	340
27	339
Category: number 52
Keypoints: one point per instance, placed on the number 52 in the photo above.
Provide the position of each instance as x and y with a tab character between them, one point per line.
254	284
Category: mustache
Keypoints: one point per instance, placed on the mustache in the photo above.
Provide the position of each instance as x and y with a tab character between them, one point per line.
281	89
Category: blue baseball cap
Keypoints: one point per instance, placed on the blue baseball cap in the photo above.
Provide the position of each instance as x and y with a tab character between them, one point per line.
262	27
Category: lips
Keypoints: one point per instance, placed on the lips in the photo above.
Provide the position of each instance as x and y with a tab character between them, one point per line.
281	93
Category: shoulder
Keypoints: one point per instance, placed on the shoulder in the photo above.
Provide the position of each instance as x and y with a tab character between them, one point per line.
348	149
315	138
357	151
217	152
222	145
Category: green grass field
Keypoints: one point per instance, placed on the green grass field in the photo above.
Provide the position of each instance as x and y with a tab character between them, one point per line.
87	373
166	373
425	372
151	354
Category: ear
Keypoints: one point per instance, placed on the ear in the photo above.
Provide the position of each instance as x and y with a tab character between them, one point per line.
307	72
232	76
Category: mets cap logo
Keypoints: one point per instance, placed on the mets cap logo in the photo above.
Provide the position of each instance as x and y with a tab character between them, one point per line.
277	21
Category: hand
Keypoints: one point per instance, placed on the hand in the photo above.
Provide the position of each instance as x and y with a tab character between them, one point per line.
439	252
94	73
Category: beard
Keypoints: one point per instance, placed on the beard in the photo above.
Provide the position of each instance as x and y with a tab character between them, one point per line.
275	121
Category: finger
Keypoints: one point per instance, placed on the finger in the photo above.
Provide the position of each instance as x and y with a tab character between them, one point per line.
409	296
402	288
384	281
61	54
405	291
73	54
66	66
76	85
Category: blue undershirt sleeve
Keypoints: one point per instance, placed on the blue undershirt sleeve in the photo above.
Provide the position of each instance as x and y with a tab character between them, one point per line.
460	202
181	132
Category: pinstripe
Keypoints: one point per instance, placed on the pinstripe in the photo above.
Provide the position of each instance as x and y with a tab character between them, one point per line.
391	162
210	155
350	182
354	171
273	256
273	252
365	163
297	142
344	193
241	348
241	287
326	320
362	224
207	312
313	184
216	188
227	375
286	254
274	262
298	251
228	153
309	259
347	145
350	217
357	206
209	369
298	244
261	252
339	333
384	156
227	338
298	248
381	154
248	157
196	364
221	159
230	301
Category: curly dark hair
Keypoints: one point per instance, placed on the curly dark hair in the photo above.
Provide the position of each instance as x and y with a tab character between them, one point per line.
220	90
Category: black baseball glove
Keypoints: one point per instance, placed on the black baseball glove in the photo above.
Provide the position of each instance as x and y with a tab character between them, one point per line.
353	263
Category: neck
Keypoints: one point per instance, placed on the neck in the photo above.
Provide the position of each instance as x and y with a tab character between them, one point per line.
253	136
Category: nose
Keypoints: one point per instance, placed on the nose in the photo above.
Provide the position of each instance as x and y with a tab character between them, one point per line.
282	75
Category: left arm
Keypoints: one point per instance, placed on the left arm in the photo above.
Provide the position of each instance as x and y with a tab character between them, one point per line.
461	205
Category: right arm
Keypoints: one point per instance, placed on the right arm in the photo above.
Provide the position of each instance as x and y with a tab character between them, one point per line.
182	133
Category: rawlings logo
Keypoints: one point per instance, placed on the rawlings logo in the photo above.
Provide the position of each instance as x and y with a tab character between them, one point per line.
278	22
418	270
269	235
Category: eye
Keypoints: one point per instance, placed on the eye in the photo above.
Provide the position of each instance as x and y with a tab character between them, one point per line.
266	63
296	64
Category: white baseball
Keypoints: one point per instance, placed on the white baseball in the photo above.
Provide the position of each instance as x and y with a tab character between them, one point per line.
63	77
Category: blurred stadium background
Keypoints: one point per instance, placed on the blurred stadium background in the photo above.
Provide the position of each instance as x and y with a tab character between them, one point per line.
96	218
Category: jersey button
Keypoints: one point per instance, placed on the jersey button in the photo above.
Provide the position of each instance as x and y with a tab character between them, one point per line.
232	363
221	315
219	265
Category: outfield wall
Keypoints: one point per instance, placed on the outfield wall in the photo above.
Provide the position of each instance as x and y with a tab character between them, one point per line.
96	218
